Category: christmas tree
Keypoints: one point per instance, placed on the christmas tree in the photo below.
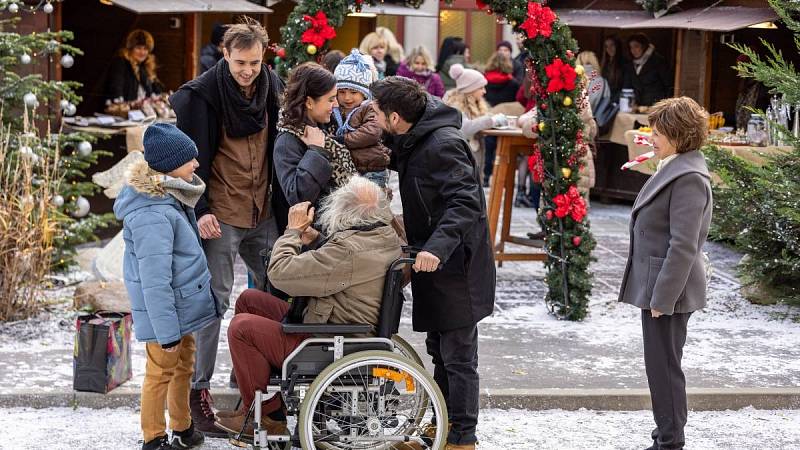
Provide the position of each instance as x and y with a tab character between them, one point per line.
42	166
757	208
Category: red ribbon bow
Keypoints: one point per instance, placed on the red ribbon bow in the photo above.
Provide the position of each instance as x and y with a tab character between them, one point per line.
571	203
561	75
319	31
539	22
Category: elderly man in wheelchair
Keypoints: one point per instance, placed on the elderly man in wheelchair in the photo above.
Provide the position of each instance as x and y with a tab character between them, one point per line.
342	377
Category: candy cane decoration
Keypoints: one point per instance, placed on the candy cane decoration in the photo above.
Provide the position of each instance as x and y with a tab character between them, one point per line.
639	140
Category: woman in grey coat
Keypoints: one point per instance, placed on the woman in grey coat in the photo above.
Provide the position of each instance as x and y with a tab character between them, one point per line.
665	274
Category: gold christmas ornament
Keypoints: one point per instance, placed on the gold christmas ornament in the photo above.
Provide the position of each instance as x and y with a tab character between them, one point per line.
567	101
566	172
541	126
311	49
580	70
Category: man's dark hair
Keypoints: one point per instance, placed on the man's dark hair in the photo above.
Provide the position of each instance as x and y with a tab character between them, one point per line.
402	95
245	35
306	80
641	38
332	59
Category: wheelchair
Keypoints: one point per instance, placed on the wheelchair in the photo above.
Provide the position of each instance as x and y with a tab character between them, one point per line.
344	392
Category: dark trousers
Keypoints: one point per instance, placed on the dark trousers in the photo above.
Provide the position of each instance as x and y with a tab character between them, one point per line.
664	338
491	149
455	360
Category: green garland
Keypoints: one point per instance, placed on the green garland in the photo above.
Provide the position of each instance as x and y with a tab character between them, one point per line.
569	241
293	51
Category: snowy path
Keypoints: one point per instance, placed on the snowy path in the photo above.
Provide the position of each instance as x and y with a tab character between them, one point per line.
746	429
732	343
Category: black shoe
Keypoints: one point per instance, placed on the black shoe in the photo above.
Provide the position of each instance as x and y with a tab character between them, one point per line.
522	201
188	438
203	416
159	443
539	236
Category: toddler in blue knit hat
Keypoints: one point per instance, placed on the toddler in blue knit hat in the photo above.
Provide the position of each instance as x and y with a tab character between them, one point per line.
356	122
167	279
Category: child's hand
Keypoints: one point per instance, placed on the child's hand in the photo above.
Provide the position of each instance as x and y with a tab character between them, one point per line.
313	136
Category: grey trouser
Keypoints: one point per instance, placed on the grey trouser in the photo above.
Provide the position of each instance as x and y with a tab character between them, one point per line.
221	254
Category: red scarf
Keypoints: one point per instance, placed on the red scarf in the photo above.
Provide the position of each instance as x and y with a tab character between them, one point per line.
498	77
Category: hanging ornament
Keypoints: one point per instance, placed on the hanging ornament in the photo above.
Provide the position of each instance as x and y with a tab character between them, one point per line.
52	45
580	70
277	60
70	110
570	54
541	127
543	106
13	8
81	207
84	148
281	52
311	49
27	153
567	101
67	61
25	58
48	8
58	201
549	214
576	241
30	100
566	172
64	104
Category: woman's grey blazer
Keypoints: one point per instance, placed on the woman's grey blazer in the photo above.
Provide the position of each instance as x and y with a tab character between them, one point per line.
668	227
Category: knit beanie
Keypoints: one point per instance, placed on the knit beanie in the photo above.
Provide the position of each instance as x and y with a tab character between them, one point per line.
505	44
467	80
166	147
354	72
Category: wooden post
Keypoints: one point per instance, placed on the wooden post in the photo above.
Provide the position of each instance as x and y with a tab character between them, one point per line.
678	64
192	45
708	47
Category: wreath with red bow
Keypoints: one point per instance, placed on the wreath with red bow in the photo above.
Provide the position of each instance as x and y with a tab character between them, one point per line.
561	76
571	203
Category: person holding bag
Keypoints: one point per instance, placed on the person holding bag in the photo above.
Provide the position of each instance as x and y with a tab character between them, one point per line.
167	279
665	275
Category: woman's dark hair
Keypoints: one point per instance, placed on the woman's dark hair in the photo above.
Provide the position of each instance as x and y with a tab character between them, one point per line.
332	59
641	38
306	80
451	45
611	67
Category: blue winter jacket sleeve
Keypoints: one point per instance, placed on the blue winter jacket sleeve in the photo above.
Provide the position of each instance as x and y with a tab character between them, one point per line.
153	236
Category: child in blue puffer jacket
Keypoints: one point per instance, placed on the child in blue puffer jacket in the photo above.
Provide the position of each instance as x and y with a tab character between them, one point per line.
167	279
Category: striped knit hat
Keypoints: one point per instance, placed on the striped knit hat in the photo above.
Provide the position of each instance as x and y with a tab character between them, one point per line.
354	72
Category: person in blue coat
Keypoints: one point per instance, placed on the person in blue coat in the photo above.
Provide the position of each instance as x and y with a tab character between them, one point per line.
167	278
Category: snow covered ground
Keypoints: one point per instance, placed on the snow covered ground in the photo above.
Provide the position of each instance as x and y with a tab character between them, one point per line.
746	429
732	343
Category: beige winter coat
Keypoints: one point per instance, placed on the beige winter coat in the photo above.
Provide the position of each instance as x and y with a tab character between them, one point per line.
528	120
343	278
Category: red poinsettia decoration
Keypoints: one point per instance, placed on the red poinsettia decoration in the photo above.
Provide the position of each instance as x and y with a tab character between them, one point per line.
480	4
561	75
536	165
319	31
539	22
571	203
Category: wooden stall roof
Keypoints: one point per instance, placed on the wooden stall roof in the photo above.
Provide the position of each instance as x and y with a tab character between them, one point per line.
720	18
190	6
602	18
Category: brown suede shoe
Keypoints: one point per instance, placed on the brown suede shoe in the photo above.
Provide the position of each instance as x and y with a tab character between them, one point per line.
459	447
234	425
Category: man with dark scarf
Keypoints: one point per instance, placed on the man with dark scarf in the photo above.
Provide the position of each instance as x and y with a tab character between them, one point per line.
231	113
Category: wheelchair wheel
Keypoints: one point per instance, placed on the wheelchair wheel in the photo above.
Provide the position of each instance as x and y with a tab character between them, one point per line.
406	349
369	401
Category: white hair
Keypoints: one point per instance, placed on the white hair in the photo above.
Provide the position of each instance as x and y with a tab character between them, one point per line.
358	203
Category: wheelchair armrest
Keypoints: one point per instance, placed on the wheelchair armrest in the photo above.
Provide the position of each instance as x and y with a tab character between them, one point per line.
326	328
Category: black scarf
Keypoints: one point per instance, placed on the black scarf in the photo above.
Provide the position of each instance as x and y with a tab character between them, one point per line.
242	117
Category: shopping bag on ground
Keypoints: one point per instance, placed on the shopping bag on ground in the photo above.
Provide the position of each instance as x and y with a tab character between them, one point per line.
102	355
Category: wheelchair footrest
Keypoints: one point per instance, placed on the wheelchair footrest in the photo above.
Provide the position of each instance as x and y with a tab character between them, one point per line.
327	328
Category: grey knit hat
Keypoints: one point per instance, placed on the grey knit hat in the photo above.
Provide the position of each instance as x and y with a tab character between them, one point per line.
166	147
354	72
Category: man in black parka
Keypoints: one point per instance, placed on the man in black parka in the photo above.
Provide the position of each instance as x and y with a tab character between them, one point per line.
231	114
444	210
